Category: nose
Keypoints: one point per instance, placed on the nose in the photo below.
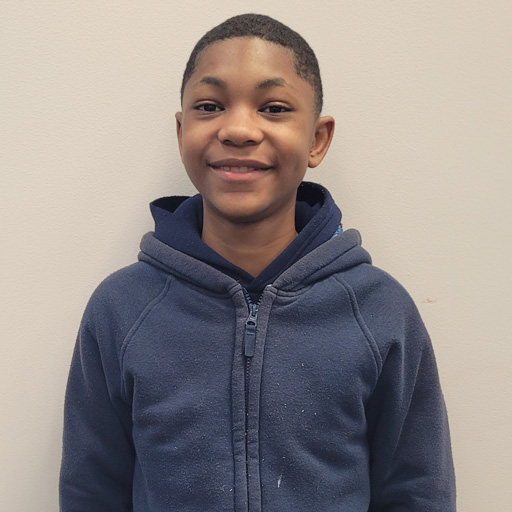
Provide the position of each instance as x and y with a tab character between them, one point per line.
240	127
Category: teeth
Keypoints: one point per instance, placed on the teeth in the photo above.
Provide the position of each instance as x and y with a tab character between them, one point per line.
238	169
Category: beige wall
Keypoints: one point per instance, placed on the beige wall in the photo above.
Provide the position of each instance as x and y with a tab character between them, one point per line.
421	164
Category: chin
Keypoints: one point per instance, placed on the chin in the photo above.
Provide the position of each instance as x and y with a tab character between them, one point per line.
241	211
243	215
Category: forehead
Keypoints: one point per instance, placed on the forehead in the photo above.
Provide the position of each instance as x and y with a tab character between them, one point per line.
244	56
242	48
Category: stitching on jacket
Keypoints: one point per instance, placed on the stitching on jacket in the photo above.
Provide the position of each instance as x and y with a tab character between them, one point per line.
362	325
135	327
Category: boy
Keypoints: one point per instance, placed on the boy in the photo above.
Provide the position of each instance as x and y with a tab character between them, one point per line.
253	359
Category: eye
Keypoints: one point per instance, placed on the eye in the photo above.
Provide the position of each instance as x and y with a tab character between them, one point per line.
208	107
275	109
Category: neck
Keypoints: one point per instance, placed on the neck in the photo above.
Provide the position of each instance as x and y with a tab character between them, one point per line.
250	246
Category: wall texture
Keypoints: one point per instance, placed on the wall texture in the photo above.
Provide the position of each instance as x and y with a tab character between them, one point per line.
421	164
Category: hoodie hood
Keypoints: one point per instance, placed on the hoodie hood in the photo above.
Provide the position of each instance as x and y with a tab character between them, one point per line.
179	219
338	254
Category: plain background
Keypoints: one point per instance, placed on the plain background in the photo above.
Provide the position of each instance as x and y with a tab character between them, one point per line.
421	164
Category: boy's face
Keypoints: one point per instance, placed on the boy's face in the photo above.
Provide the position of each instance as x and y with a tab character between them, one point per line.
248	130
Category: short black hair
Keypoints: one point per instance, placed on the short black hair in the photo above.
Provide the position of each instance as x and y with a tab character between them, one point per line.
268	29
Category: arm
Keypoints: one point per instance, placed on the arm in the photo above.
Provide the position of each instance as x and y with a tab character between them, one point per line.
98	454
411	463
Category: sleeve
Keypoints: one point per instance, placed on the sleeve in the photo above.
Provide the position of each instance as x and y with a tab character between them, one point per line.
98	454
408	434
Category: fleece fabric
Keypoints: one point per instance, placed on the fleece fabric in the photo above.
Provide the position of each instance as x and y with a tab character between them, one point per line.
183	395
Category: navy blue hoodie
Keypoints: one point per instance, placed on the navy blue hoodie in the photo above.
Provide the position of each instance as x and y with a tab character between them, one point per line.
184	395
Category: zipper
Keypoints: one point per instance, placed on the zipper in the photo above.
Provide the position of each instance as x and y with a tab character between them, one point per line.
250	329
251	324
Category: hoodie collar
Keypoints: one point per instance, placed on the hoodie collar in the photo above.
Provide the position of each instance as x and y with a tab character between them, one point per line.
179	222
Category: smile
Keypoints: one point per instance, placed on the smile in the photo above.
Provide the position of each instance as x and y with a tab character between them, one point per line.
240	169
238	166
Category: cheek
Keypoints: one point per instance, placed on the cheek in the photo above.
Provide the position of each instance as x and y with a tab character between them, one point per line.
298	144
195	177
190	150
195	140
297	156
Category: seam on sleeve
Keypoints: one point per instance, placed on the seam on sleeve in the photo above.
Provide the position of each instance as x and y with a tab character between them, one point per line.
135	327
363	326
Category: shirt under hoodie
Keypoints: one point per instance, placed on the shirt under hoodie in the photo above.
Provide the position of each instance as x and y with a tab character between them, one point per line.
186	393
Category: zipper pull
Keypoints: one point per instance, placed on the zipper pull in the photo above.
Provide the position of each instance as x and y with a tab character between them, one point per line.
250	330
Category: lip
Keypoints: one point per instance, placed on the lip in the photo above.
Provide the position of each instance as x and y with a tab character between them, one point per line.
236	170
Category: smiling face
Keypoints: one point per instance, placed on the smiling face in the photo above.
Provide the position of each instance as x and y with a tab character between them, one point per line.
248	131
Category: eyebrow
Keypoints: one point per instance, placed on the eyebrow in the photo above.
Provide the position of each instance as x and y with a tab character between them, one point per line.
212	80
271	82
264	84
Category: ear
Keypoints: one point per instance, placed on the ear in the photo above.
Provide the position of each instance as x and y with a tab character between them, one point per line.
179	116
324	130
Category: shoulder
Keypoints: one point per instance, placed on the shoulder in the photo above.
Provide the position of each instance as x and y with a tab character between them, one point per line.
120	299
377	287
134	282
386	308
